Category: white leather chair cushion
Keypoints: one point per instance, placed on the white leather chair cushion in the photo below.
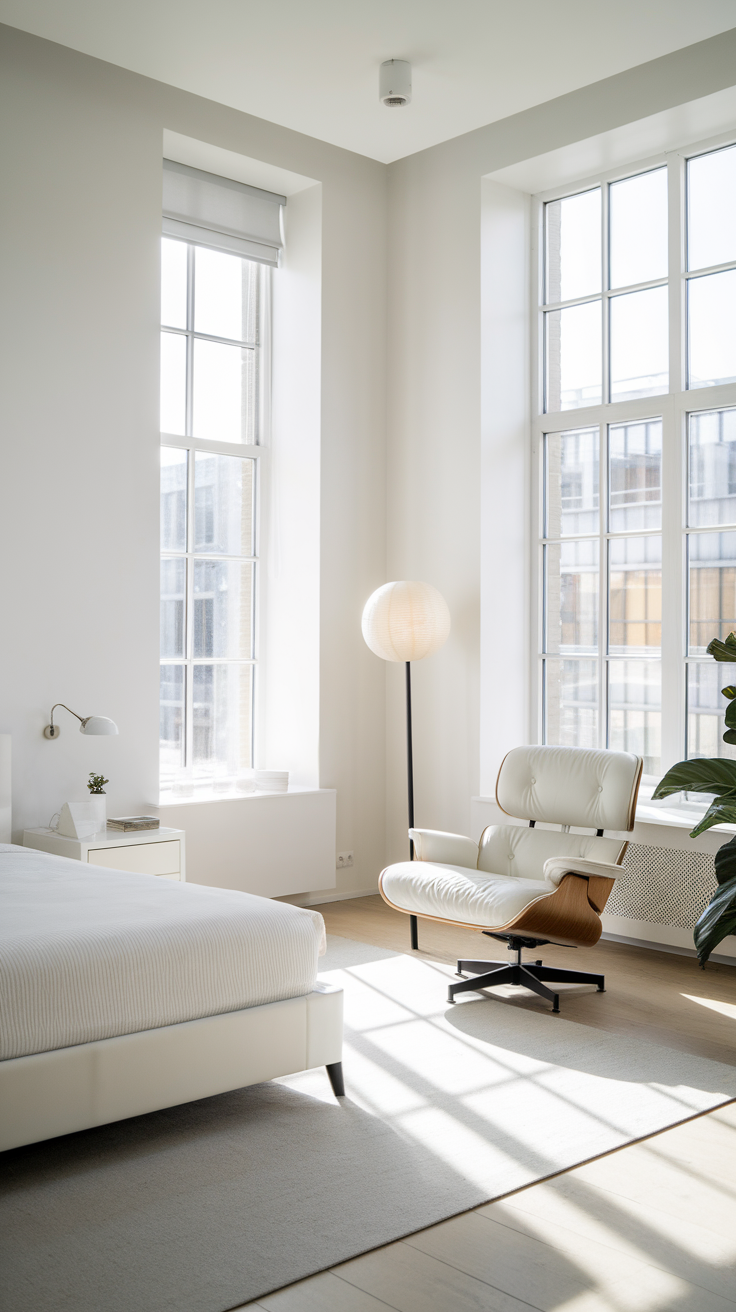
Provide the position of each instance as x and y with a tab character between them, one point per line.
455	893
570	786
521	852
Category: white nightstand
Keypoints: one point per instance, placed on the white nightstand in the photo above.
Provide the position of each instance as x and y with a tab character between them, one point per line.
144	851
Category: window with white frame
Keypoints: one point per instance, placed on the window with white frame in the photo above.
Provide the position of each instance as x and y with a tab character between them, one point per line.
212	377
636	440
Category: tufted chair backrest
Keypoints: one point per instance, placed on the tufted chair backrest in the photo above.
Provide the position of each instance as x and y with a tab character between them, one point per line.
570	786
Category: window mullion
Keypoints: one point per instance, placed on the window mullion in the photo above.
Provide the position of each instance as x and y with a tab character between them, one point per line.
190	344
673	585
603	587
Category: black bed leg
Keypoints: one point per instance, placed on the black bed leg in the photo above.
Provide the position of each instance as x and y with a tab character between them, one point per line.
336	1079
414	932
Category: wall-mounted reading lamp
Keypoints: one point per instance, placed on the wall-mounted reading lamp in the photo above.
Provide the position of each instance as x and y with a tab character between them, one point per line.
96	724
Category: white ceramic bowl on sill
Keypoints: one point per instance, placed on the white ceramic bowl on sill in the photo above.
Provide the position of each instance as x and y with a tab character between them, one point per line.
271	781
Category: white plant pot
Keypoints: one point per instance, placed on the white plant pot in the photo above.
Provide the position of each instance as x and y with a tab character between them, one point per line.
99	802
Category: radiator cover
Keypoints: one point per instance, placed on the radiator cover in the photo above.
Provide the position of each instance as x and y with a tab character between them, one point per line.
663	886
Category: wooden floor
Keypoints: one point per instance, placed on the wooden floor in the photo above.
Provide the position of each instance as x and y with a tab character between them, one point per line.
648	1228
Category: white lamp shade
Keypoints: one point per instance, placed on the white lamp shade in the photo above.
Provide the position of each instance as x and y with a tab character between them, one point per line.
98	724
405	621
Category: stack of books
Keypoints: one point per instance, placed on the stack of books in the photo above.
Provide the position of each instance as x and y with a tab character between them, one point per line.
128	822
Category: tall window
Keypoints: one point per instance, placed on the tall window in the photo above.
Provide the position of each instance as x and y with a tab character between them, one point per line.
637	311
211	380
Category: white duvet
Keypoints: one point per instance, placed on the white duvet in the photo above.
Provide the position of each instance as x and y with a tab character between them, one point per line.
88	953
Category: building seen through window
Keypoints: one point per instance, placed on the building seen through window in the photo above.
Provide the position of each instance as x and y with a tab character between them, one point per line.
210	375
609	505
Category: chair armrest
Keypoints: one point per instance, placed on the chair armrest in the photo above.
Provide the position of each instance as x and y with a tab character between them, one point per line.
450	849
557	867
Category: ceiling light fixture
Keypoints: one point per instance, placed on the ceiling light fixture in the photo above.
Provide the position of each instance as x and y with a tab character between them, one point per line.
394	82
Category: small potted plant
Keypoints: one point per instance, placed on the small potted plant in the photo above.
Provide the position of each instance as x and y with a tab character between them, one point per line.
96	786
716	776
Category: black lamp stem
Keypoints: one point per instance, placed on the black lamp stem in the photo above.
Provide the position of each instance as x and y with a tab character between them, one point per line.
409	757
410	783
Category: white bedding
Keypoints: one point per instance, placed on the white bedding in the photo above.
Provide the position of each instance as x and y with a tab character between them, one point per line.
88	953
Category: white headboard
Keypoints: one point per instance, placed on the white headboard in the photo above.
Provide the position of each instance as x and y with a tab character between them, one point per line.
5	791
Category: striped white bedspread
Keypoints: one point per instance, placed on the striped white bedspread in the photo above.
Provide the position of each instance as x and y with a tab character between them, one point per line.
88	953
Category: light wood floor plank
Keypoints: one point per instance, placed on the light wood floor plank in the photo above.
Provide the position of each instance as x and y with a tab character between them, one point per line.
323	1293
413	1281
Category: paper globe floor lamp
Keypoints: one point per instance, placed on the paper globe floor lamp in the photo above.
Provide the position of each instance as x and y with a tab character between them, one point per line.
406	622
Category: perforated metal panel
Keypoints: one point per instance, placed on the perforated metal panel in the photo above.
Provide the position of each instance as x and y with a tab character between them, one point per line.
663	886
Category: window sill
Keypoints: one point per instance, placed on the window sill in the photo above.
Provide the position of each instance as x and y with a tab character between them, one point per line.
684	816
209	795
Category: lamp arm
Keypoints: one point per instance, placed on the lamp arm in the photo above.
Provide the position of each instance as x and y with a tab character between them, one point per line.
52	730
65	708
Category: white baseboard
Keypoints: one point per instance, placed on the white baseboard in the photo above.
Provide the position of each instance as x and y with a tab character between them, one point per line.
665	947
316	899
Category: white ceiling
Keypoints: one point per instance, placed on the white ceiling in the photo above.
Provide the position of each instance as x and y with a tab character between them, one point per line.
312	65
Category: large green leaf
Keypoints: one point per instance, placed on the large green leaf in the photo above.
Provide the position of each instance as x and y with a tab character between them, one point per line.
731	715
717	921
725	862
704	775
723	651
722	811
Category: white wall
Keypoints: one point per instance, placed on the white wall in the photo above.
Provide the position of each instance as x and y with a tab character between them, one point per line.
81	145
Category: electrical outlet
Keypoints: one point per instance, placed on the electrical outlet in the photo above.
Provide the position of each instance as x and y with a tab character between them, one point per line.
344	859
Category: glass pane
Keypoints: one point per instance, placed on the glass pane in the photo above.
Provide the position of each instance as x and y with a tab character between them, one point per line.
223	392
711	305
173	499
223	505
711	234
635	473
571	702
573	265
712	588
571	482
173	595
713	468
635	623
706	708
571	597
634	710
173	383
171	720
221	718
638	228
573	356
224	295
639	344
173	283
223	609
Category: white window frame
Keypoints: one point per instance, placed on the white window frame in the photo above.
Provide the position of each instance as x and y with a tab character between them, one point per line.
674	407
258	452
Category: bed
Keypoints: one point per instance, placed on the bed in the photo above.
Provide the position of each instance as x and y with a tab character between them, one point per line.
123	993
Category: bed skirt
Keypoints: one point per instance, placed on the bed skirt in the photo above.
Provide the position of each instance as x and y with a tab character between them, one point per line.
69	1089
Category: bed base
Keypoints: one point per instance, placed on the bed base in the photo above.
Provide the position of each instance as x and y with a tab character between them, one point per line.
70	1089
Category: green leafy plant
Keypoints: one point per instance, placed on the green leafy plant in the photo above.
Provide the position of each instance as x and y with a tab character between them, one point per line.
97	782
717	776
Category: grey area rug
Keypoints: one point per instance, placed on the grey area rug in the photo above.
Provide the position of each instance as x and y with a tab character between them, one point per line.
205	1207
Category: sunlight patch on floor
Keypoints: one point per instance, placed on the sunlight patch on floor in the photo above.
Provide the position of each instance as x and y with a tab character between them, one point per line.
723	1008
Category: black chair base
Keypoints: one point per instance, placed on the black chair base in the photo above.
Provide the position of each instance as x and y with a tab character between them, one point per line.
530	975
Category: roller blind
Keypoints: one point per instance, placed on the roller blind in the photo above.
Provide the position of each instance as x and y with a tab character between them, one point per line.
229	216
